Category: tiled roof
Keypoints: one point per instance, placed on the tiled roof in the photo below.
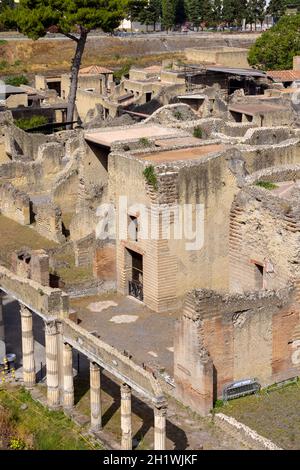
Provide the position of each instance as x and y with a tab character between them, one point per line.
94	70
284	75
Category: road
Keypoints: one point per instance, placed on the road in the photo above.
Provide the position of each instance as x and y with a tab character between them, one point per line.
58	37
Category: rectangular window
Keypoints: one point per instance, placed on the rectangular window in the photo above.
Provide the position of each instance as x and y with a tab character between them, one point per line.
259	276
133	228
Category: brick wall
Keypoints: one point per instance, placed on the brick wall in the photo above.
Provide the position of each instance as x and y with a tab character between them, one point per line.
255	335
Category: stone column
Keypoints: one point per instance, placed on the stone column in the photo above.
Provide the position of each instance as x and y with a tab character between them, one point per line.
52	365
27	347
95	391
68	377
126	417
2	333
160	415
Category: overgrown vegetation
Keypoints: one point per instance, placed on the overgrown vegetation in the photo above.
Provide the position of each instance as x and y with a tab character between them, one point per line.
266	185
150	176
123	71
30	123
25	424
17	80
198	132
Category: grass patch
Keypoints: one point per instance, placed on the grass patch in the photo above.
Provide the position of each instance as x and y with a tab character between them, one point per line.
274	413
75	275
266	185
150	177
38	428
14	236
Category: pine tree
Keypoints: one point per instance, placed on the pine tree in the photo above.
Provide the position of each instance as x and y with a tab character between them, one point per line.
234	11
72	18
169	13
277	8
217	11
199	11
135	8
151	13
261	10
193	10
180	15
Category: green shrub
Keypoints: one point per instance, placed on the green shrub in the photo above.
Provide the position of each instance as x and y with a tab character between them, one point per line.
17	444
150	176
266	185
178	115
219	404
144	142
17	80
30	123
276	47
124	71
2	42
198	133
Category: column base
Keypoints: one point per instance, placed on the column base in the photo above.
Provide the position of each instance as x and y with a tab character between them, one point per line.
29	380
96	428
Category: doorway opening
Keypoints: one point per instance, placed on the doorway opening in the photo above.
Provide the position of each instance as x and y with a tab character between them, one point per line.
135	282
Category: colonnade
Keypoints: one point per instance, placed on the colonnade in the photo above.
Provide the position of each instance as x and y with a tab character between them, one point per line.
60	381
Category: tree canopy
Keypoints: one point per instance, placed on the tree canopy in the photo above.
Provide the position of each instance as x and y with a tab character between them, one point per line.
35	17
73	18
275	49
277	8
169	8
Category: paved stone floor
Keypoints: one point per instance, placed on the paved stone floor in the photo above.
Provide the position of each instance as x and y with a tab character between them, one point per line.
128	325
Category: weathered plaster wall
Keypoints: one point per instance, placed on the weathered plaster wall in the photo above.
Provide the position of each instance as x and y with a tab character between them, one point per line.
264	230
14	204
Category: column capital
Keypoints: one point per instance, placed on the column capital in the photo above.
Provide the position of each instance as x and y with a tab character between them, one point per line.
25	311
50	328
125	388
161	411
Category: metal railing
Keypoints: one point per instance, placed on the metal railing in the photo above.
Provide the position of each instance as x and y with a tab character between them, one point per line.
136	290
241	389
